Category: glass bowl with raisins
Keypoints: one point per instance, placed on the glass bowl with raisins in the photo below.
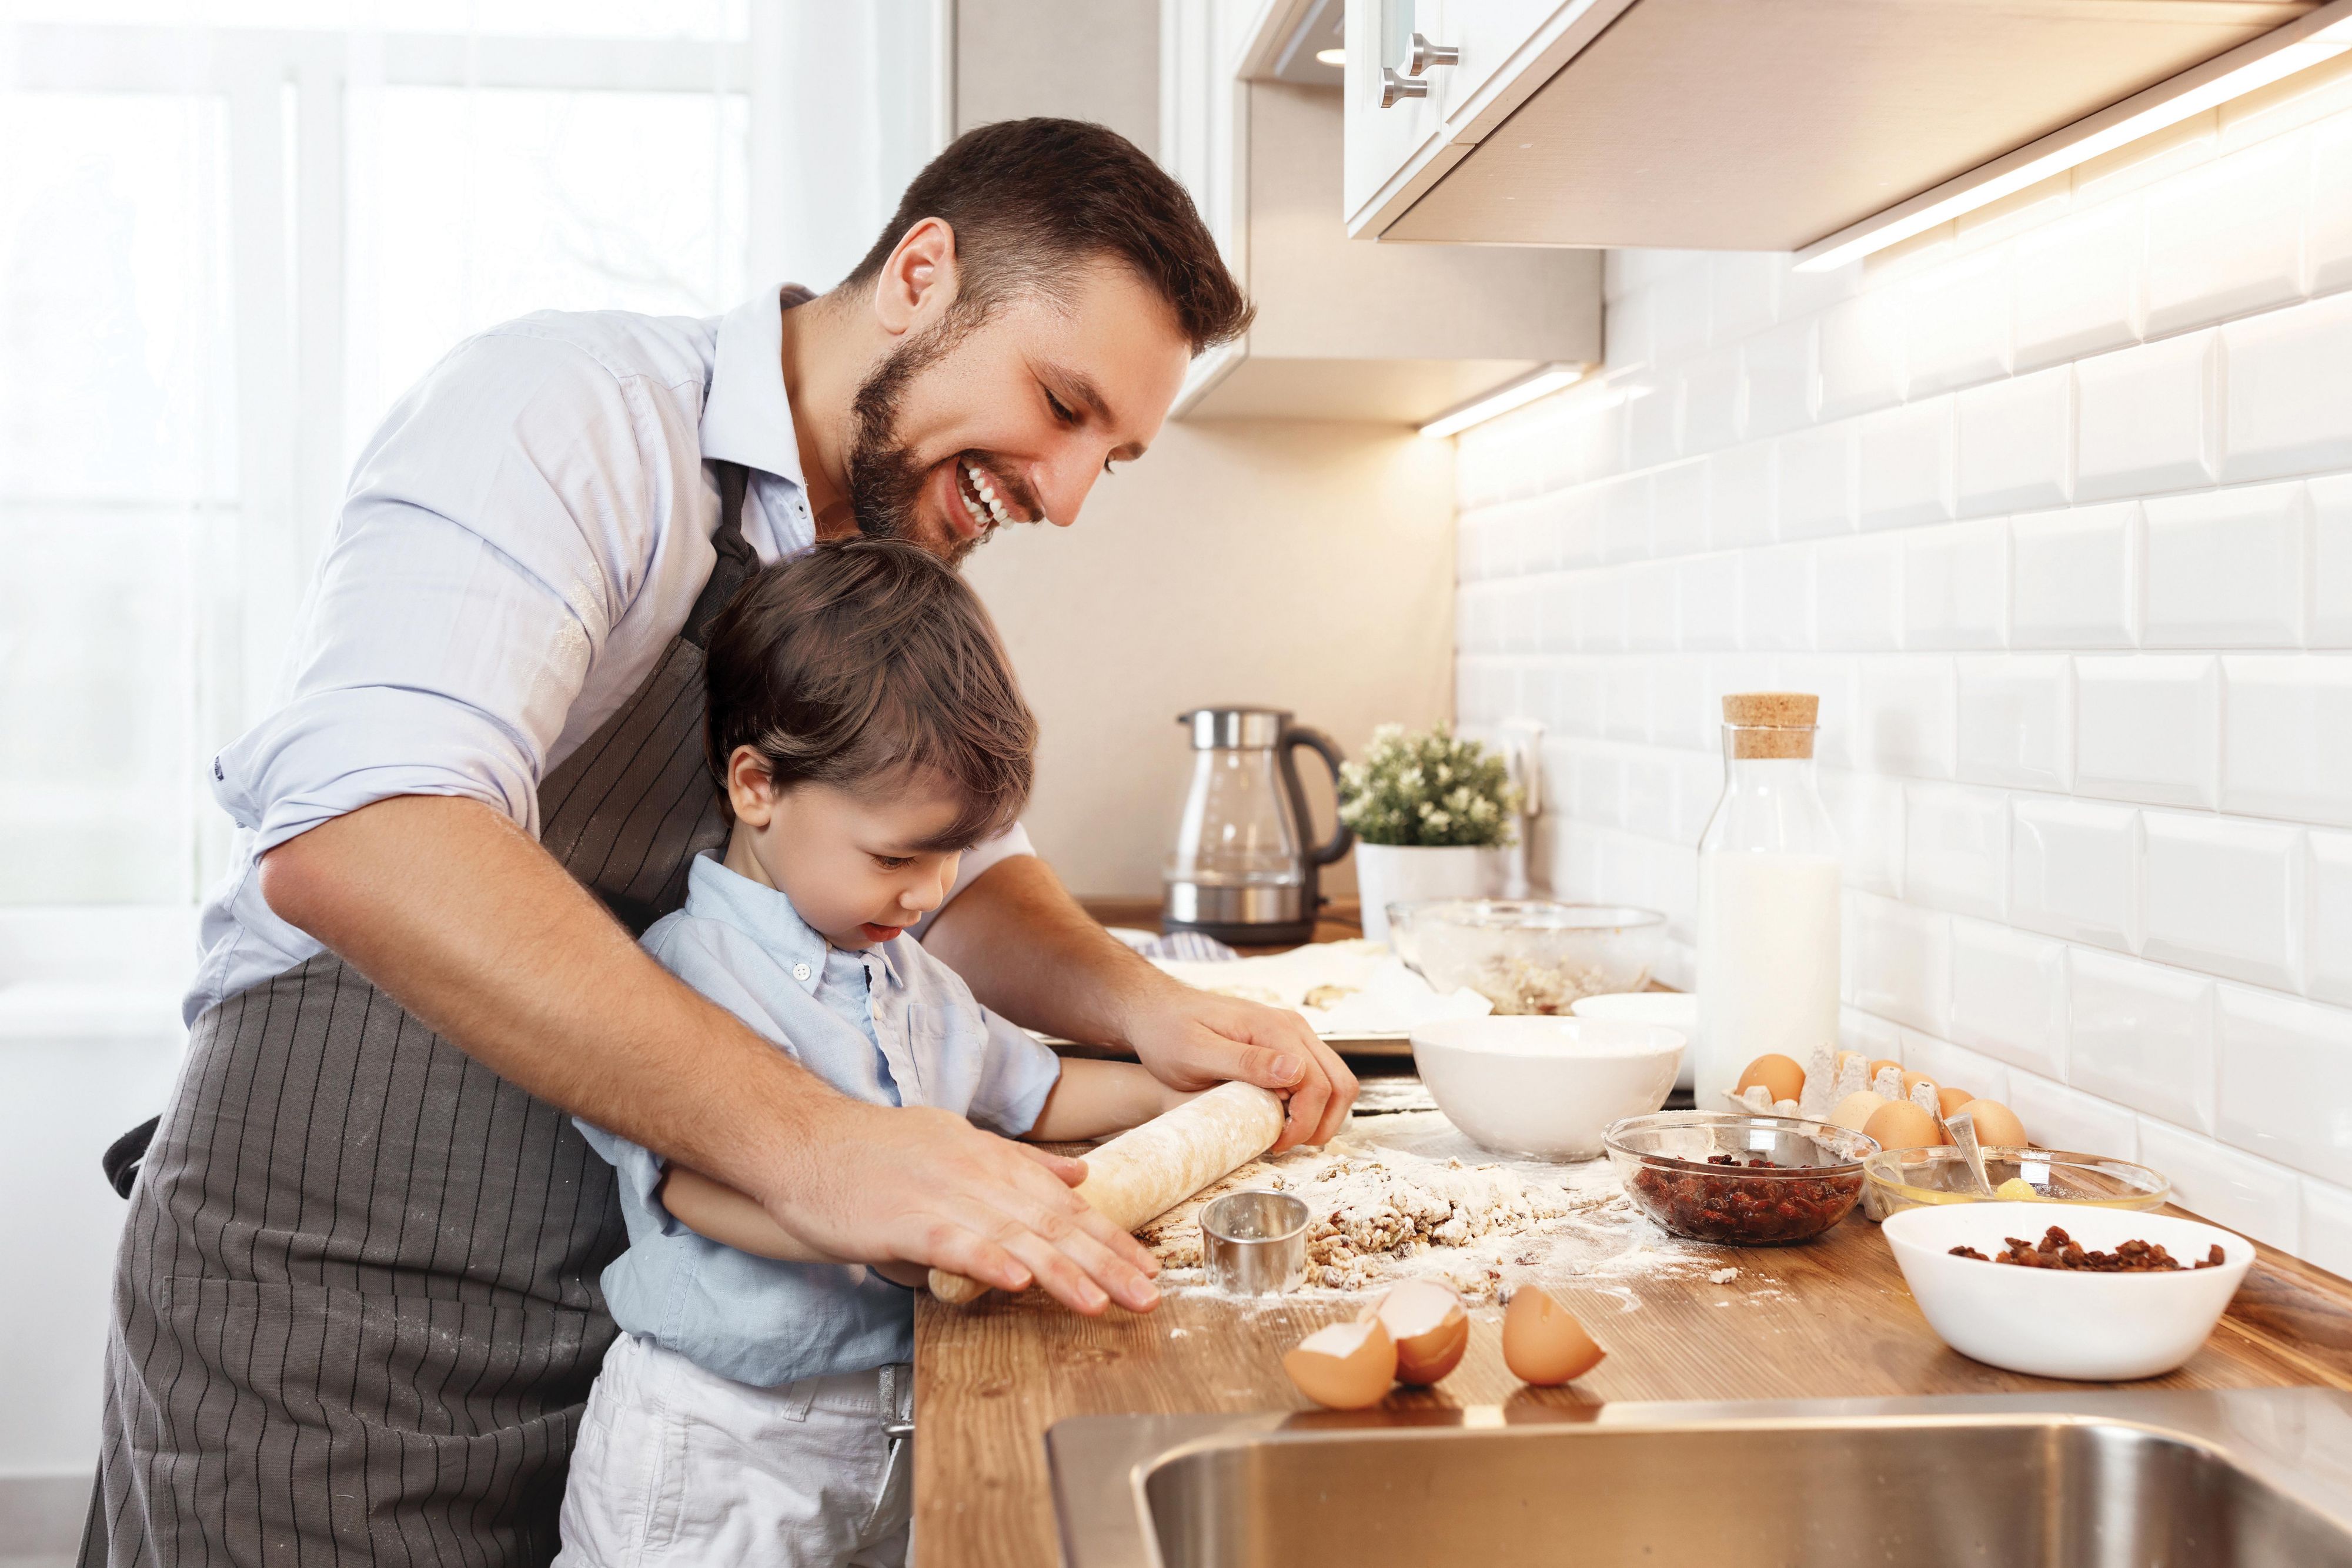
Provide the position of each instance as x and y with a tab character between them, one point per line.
1739	1179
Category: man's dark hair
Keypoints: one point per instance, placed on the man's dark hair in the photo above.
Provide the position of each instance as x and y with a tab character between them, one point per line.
1028	199
869	663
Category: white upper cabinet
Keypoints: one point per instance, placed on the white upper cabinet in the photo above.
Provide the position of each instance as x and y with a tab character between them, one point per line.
1253	126
1733	124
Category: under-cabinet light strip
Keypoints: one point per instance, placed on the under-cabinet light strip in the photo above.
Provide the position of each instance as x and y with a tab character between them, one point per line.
1502	398
2317	36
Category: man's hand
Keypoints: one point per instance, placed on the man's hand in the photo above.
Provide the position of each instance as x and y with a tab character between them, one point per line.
1027	950
924	1188
1193	1039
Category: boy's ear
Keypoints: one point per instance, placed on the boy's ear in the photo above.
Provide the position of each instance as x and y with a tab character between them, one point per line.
749	791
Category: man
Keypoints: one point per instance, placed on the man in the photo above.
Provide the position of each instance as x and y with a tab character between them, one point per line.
357	1308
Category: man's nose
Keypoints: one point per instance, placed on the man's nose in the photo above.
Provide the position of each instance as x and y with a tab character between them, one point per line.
1062	482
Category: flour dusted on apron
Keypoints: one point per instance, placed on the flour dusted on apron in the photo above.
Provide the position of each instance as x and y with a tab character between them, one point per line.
357	1312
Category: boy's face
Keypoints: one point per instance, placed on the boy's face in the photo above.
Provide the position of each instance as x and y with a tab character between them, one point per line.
852	865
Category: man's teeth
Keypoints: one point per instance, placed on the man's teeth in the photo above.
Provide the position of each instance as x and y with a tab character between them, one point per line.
978	478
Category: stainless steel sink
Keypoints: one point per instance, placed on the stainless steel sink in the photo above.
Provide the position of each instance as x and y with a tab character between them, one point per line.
2244	1478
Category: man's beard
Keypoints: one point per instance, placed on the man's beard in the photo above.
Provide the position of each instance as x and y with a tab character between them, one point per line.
885	480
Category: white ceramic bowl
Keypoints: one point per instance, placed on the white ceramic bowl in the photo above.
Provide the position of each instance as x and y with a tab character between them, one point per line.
2089	1327
1545	1086
1667	1010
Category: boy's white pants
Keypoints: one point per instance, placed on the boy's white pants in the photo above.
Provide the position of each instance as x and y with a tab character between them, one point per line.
679	1465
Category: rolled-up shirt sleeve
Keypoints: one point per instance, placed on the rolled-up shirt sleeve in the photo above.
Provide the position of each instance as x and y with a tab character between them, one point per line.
495	529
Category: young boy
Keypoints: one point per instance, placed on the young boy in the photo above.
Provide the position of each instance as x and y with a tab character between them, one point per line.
866	730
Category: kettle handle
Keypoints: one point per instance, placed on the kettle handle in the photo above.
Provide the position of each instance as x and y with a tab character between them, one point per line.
1343	838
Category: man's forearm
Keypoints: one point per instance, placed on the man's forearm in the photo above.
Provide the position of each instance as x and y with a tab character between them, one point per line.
1028	951
476	929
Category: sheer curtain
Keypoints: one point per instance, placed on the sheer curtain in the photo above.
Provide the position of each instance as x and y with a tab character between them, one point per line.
231	233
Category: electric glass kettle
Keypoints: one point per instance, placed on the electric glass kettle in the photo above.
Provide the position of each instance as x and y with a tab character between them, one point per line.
1242	870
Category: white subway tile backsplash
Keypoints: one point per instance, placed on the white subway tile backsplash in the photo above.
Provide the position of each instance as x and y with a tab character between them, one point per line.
1956	848
2086	718
2222	895
2008	996
2224	568
1858	592
1902	961
2057	1117
1815	476
1739	485
1959	324
2328	601
2147	727
2287	736
2226	238
1956	585
1904	721
2248	1194
2016	443
2074	578
2286	1081
1861	347
2074	869
2016	714
2327	914
2079	285
1780	390
2289	409
1903	465
2142	1035
2145	418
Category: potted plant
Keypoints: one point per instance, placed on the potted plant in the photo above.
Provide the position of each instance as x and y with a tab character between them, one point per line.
1432	814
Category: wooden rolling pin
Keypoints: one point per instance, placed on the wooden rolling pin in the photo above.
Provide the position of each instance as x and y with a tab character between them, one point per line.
1146	1171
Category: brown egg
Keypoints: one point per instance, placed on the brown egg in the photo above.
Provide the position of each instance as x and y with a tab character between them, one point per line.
1542	1342
1853	1112
1950	1101
1882	1063
1900	1124
1997	1124
1913	1079
1781	1074
1346	1366
1431	1329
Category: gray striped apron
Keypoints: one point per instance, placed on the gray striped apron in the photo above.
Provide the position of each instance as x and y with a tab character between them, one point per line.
356	1305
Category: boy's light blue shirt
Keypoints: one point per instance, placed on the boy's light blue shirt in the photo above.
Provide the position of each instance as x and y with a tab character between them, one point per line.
892	1025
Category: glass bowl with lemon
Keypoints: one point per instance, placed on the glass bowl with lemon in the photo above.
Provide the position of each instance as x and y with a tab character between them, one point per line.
1897	1179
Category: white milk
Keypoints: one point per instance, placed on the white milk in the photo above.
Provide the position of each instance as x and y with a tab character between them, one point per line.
1768	963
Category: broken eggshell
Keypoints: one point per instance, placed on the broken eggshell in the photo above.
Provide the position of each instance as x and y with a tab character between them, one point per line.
1542	1342
1431	1329
1345	1366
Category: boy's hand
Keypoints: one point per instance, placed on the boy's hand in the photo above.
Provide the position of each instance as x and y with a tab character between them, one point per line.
1193	1039
922	1188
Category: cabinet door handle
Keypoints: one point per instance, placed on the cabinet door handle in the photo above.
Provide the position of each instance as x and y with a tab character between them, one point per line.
1395	90
1426	54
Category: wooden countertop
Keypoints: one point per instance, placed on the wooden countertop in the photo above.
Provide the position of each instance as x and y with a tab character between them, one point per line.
1835	1320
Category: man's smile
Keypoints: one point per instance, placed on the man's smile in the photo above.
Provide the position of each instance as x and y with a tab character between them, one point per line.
984	497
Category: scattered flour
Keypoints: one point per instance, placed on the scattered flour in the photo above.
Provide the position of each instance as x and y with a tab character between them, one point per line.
1723	1275
1406	1196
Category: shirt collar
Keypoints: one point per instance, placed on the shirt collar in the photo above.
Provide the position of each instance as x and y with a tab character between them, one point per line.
760	912
747	418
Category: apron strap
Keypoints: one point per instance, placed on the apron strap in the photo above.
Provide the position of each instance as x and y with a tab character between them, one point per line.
126	1154
736	562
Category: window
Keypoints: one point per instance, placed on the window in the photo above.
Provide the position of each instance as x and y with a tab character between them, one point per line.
233	231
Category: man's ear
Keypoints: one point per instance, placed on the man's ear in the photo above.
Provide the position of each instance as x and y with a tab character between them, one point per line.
749	791
919	281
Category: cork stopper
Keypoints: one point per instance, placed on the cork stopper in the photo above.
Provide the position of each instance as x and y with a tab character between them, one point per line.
1771	724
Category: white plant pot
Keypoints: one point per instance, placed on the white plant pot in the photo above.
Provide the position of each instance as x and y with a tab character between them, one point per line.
1398	874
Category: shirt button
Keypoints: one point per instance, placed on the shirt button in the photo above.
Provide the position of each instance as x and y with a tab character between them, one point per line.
800	971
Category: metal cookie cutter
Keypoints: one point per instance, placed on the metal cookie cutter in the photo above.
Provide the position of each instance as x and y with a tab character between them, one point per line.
1253	1243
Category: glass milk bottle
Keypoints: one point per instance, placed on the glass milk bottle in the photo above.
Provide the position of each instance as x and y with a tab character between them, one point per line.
1767	898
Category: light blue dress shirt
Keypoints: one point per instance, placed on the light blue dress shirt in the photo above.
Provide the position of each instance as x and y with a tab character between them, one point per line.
522	538
892	1025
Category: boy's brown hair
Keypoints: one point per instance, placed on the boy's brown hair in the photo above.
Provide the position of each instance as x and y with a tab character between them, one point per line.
1030	199
868	662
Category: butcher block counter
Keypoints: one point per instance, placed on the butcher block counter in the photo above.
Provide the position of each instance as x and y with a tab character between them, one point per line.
1828	1319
